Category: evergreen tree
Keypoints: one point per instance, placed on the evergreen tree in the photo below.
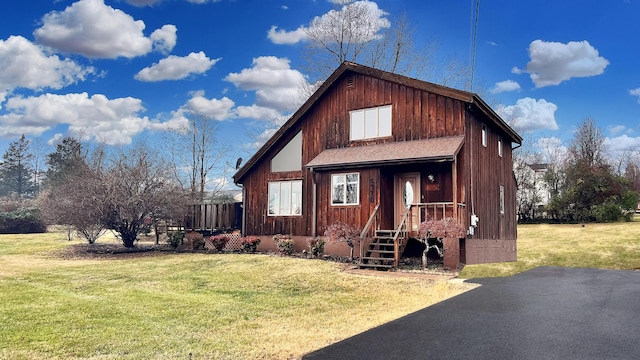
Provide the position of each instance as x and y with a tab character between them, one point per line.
67	158
16	171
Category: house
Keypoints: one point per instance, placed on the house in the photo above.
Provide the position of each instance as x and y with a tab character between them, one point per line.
385	152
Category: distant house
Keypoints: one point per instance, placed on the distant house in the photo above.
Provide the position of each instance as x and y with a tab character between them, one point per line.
385	152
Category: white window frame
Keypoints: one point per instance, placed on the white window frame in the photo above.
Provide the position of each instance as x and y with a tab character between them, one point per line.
501	199
342	180
289	201
484	135
370	123
500	147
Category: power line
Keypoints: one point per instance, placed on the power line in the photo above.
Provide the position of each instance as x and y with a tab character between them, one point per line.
474	37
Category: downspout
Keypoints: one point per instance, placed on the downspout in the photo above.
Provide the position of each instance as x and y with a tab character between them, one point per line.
244	210
314	200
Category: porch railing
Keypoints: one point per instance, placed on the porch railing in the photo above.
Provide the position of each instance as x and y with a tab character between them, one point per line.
366	231
438	211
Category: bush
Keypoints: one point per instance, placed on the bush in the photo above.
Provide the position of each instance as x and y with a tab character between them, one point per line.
316	247
284	243
26	220
219	242
175	239
249	243
608	212
340	232
195	240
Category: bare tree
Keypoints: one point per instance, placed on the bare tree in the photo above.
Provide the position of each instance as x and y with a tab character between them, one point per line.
137	186
362	33
196	154
587	146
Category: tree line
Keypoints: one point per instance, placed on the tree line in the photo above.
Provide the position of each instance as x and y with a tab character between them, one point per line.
90	189
581	182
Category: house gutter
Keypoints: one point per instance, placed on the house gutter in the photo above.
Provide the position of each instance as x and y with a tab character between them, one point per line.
314	211
244	210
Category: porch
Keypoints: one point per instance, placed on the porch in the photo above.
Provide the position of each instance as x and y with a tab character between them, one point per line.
382	248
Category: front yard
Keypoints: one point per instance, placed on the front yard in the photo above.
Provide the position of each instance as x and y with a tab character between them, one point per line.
165	305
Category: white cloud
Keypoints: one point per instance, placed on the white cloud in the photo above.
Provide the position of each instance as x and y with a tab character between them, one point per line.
95	30
111	121
530	114
552	150
217	109
554	62
176	67
622	143
142	3
505	86
286	37
618	129
164	39
277	86
256	112
365	17
45	71
635	92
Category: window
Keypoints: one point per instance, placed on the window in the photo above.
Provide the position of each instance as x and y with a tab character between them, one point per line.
501	200
370	123
500	147
484	136
345	189
290	157
285	198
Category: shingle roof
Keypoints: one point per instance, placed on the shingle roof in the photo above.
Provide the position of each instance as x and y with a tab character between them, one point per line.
437	149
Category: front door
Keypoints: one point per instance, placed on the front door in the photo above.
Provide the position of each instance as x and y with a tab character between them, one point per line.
407	192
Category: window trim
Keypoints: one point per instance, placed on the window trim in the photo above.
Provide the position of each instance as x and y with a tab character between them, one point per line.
484	135
291	192
362	117
346	183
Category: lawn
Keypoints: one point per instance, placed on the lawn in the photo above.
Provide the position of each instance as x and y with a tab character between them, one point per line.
188	306
605	246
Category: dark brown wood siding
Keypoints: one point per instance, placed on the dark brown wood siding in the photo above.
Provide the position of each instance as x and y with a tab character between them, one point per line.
416	114
485	172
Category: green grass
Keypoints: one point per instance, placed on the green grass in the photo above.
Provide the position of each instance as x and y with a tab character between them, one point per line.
605	246
170	305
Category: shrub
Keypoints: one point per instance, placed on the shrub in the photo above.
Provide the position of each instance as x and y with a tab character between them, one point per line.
608	212
25	220
316	247
175	239
249	243
196	240
340	232
219	242
284	243
443	228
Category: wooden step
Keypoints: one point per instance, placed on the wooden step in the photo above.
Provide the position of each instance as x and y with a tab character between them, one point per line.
376	266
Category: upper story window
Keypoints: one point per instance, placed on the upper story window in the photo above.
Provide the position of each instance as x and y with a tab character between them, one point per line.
289	158
370	123
500	147
345	189
484	136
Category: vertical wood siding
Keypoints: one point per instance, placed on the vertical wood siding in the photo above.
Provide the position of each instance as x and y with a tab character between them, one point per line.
416	114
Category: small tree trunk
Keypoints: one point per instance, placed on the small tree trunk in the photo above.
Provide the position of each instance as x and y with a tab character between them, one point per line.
424	258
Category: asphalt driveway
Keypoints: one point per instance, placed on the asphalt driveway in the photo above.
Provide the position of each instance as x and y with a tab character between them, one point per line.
544	313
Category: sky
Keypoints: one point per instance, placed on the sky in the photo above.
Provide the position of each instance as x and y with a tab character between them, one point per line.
122	71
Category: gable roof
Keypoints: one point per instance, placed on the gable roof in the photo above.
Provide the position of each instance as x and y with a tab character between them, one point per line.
434	149
469	98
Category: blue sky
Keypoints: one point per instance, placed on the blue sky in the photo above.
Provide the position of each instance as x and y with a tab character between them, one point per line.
122	70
